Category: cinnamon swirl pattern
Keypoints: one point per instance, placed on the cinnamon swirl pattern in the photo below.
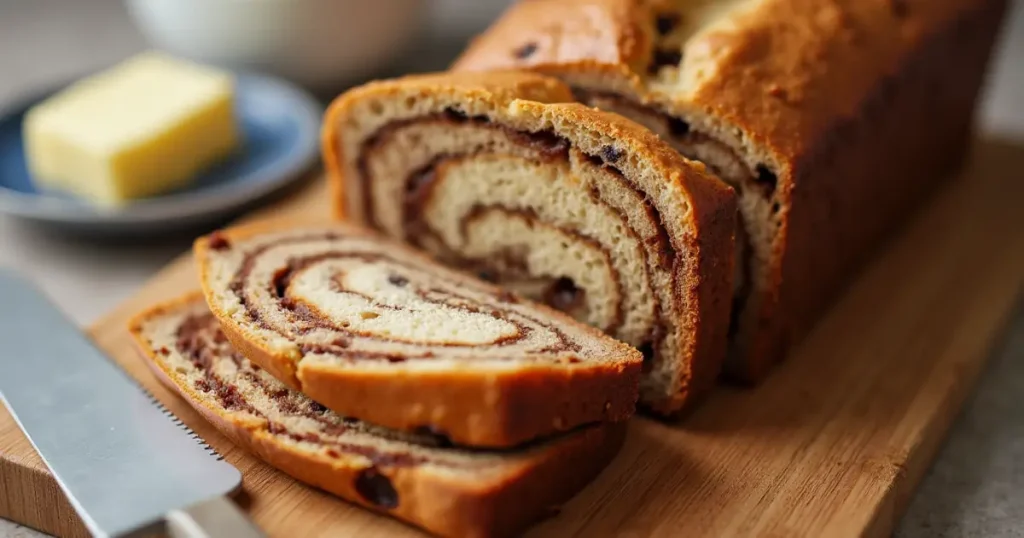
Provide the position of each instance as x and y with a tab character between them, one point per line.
375	467
376	331
583	210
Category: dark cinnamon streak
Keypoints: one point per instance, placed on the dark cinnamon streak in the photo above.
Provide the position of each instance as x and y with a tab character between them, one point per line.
679	128
219	242
420	183
564	295
664	58
376	489
760	178
666	22
511	265
200	340
304	318
547	147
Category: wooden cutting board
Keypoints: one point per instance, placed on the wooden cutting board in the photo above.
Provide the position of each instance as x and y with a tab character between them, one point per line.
833	444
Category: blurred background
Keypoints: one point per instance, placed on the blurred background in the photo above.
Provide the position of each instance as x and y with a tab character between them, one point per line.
323	45
326	46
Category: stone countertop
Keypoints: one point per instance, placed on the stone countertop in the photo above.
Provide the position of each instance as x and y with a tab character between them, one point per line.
975	488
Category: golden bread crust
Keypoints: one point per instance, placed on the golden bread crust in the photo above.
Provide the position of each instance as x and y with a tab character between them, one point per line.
768	68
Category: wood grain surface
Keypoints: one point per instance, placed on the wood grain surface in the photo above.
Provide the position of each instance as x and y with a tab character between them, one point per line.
832	444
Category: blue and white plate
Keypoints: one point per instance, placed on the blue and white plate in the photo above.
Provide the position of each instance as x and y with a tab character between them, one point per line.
281	125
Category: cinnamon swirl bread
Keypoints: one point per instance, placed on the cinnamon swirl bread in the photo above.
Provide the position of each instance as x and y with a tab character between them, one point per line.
376	331
831	118
584	210
447	491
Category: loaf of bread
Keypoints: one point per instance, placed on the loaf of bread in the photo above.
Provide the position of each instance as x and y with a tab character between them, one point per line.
376	331
584	210
447	491
831	118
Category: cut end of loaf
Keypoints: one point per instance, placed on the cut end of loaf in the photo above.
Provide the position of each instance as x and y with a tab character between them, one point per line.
580	209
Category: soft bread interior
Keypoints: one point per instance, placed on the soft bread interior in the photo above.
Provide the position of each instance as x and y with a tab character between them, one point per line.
337	295
527	220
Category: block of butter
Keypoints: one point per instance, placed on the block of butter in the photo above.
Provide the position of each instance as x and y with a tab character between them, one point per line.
144	127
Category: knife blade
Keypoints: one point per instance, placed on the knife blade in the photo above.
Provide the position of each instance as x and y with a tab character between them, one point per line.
125	462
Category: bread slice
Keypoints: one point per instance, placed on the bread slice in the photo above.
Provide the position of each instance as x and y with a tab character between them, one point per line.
447	491
831	118
584	210
376	331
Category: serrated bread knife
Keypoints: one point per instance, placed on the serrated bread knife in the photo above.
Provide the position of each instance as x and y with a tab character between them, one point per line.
126	464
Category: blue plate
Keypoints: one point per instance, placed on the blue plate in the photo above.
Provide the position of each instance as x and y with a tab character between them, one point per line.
281	125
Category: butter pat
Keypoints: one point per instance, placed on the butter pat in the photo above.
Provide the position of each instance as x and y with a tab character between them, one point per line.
144	127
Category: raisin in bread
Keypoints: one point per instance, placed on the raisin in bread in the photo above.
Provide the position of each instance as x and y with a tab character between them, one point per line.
831	118
447	491
583	210
377	331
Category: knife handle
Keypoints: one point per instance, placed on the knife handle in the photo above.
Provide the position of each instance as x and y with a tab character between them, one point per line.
215	518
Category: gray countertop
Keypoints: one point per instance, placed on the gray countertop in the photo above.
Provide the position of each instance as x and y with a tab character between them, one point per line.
976	487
